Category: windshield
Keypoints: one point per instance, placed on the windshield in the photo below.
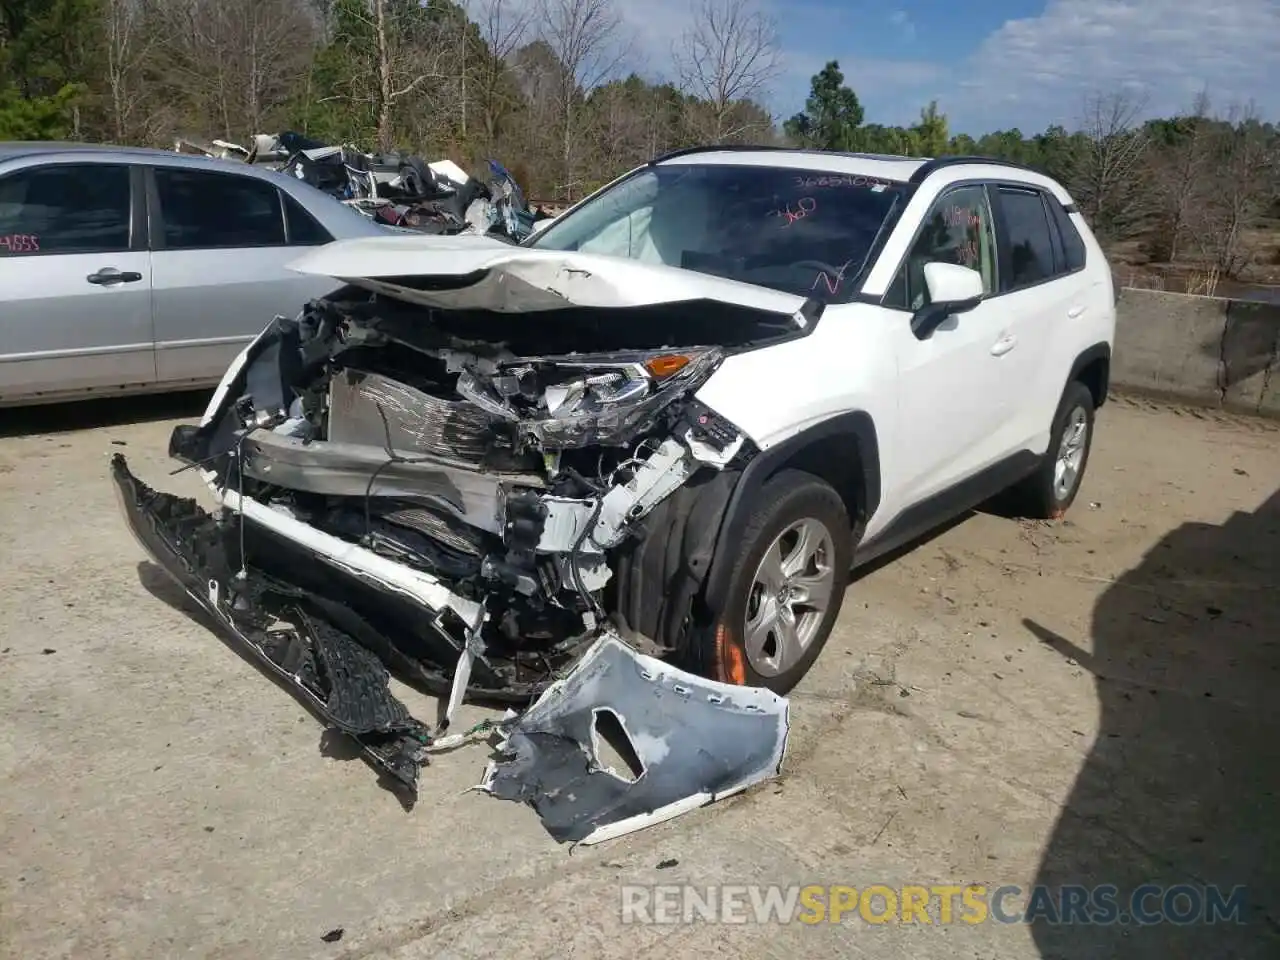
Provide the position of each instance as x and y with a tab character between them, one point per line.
805	232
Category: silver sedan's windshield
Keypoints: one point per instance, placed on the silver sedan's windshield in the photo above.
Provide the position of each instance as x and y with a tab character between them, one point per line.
805	232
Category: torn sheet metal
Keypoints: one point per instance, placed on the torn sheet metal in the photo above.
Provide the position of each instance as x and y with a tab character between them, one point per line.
696	741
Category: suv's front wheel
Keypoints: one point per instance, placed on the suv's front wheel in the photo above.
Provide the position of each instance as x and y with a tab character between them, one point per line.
787	585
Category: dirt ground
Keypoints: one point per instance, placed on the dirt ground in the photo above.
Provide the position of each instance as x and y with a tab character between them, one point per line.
1086	702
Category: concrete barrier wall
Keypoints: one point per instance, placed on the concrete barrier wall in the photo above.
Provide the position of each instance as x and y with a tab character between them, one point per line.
1203	349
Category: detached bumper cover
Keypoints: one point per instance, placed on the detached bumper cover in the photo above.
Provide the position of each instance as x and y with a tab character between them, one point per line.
696	742
290	632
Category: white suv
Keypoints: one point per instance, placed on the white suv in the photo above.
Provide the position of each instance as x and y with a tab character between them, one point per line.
681	413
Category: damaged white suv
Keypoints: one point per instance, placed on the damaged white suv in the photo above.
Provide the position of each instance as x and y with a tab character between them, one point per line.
679	414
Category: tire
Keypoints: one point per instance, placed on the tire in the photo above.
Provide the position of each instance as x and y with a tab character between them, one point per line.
740	647
1048	493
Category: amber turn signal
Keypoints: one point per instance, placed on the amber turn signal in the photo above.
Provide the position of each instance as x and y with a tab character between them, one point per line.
666	365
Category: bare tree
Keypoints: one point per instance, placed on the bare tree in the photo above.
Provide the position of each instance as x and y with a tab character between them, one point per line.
126	46
1109	179
728	55
503	26
1244	168
1180	170
583	36
233	62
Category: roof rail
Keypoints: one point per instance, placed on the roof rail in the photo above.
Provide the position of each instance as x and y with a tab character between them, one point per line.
747	147
938	163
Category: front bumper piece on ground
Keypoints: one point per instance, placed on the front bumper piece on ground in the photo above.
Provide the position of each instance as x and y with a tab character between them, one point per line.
695	740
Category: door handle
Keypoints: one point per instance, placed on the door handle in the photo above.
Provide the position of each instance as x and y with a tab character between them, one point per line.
109	275
1075	312
1004	345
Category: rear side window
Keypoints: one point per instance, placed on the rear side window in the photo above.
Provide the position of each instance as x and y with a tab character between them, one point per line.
65	208
203	210
1030	247
304	229
1072	243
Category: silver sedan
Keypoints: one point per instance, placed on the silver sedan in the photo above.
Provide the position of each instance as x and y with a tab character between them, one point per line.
129	271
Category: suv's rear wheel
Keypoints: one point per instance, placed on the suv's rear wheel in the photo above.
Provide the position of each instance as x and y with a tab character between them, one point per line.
787	585
1050	491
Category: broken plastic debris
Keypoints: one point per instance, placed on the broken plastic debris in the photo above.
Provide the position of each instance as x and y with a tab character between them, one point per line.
692	741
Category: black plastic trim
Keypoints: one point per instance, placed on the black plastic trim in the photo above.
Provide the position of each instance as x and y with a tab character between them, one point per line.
139	228
773	148
1099	351
835	435
941	163
928	515
155	225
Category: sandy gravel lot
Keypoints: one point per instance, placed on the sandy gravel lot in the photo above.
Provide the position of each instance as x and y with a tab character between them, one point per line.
1087	702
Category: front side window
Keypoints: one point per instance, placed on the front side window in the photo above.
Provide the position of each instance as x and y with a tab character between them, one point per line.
1030	253
803	232
201	210
957	229
65	208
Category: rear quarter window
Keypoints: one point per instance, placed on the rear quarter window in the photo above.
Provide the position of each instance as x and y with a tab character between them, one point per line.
1072	243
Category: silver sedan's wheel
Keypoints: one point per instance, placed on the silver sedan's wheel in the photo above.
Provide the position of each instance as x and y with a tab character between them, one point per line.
1075	438
789	597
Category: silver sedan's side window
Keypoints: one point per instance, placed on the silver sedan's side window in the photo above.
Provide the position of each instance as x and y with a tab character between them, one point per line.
204	210
65	208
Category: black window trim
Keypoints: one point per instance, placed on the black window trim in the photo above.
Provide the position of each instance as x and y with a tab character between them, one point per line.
155	215
285	199
1061	213
137	207
881	300
993	188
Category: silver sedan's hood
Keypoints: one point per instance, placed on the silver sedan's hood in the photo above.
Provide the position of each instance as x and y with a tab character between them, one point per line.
479	273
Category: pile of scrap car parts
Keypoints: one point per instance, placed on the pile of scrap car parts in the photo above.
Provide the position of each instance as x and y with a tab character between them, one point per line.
399	190
440	477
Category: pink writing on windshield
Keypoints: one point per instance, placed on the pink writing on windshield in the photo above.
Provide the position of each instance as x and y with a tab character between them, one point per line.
841	180
804	207
831	283
19	243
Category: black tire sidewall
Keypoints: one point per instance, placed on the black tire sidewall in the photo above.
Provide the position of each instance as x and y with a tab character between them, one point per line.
786	497
1076	395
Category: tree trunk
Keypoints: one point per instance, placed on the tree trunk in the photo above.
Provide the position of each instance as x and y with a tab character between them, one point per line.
384	77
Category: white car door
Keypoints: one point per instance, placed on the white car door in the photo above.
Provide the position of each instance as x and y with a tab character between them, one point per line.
75	282
1044	298
954	401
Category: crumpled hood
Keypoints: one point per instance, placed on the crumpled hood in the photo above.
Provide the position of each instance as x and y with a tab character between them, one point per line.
481	273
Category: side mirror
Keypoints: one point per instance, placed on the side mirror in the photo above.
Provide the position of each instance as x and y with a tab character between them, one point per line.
540	225
953	289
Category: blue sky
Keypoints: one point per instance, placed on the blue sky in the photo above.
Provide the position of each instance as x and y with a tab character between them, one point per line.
995	64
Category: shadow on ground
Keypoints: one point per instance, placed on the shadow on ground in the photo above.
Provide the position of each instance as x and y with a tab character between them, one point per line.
1181	786
106	412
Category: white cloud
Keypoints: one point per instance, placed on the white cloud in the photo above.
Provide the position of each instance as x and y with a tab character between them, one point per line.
902	20
1037	71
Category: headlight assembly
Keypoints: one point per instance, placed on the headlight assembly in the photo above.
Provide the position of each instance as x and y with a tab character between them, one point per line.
583	400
